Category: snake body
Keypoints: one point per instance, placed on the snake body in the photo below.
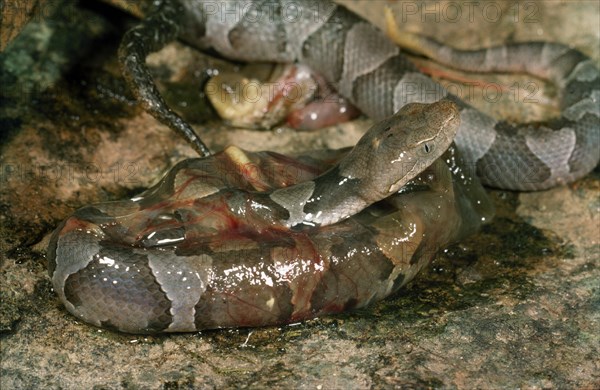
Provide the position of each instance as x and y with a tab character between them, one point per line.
213	246
217	244
333	41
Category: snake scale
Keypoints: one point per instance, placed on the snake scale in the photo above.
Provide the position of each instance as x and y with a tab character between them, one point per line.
235	239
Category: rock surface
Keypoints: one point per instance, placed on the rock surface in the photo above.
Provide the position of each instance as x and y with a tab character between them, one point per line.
517	305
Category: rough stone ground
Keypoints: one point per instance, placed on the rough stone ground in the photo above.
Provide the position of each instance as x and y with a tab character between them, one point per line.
517	305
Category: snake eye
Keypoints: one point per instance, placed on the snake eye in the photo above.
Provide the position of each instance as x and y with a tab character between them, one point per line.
427	148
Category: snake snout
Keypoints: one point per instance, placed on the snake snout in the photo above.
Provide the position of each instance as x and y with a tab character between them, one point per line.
442	119
443	113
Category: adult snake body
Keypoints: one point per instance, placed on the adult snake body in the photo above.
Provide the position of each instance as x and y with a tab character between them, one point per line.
211	246
369	70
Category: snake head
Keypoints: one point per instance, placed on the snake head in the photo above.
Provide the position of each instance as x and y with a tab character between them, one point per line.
400	147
